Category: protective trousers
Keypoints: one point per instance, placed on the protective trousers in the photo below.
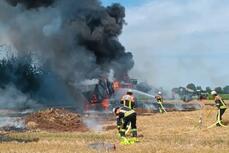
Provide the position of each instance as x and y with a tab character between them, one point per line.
219	116
160	106
126	120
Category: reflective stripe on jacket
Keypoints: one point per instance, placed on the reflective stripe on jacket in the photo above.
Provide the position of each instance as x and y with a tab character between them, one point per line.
220	103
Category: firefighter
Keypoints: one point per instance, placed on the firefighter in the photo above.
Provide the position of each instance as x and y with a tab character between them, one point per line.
221	106
124	116
159	100
128	99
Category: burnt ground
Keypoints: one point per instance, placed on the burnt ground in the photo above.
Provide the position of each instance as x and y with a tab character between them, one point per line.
53	119
62	120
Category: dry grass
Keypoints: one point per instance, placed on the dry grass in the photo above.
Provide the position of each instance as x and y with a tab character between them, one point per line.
174	132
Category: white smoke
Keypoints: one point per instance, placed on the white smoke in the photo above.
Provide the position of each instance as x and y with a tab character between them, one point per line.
93	124
16	122
12	98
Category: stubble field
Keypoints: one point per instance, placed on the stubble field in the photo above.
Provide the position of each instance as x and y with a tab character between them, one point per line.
173	132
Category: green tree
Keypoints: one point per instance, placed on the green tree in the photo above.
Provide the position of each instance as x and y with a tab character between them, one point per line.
219	90
191	86
208	90
199	88
226	90
182	91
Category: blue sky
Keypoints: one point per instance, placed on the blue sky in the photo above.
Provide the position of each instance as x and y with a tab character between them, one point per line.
176	42
127	3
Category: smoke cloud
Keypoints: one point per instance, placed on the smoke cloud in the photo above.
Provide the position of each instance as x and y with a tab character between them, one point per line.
28	4
73	40
78	39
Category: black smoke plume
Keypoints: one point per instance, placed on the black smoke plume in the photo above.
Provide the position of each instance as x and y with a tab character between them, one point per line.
74	39
79	38
29	4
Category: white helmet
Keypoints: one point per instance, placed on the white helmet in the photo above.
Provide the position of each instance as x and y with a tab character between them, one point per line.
129	91
213	92
115	109
159	92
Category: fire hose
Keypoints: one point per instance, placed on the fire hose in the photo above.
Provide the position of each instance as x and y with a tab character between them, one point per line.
162	107
128	128
217	122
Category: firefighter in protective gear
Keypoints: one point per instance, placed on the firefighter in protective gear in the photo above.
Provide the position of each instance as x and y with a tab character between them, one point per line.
159	100
124	116
128	99
118	120
221	106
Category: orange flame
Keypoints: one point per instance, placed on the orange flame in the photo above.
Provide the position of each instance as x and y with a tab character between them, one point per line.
105	104
116	85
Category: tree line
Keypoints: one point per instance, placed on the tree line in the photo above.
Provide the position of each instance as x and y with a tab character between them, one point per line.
192	91
191	87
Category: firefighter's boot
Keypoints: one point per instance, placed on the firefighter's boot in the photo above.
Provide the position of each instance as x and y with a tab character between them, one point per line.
122	132
134	133
124	141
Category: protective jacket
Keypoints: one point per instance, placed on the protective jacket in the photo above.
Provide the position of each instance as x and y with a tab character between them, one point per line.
220	104
159	98
128	101
127	116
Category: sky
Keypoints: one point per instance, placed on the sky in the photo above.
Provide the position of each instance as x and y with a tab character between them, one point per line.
176	42
126	3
